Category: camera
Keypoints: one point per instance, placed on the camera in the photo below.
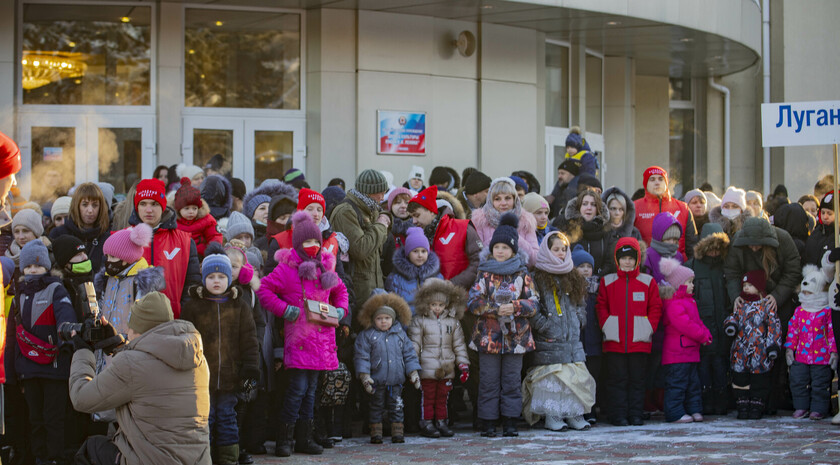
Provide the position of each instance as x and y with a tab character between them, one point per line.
90	329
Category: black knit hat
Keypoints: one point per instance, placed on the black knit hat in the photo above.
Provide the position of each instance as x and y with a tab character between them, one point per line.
587	180
571	165
827	201
441	176
239	189
371	182
66	247
281	205
507	232
476	182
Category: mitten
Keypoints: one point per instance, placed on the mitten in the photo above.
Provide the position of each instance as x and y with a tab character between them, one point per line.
367	382
415	379
341	313
789	357
292	313
834	255
730	329
832	360
465	372
773	352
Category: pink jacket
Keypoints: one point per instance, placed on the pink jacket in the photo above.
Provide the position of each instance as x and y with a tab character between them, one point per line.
527	233
307	345
811	336
684	331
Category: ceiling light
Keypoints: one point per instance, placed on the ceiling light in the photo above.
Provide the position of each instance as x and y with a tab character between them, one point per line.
487	7
125	19
192	52
219	23
613	23
686	39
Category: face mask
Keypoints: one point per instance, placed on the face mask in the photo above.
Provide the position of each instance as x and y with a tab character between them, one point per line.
730	213
84	267
246	273
115	268
312	250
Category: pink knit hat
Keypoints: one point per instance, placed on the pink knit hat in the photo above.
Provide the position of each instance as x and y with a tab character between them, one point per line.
674	272
127	244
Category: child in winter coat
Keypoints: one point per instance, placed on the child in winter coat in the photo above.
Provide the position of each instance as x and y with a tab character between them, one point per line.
535	204
758	334
590	336
558	386
503	298
384	358
34	354
629	308
684	334
810	348
194	217
230	343
26	227
303	273
414	263
438	339
665	241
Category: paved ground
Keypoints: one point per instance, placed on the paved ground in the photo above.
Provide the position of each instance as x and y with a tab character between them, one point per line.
722	440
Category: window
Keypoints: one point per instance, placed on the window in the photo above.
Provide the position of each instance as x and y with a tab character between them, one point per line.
86	54
556	85
681	137
594	94
242	59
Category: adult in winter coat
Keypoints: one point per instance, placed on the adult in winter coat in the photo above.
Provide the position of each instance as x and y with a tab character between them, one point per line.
587	223
792	218
713	305
658	199
398	206
171	249
502	198
89	220
821	239
622	212
159	386
699	206
360	218
732	212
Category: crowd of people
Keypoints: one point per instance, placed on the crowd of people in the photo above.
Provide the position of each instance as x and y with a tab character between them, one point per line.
284	313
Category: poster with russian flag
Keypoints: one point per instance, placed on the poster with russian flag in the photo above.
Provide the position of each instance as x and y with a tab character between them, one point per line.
401	133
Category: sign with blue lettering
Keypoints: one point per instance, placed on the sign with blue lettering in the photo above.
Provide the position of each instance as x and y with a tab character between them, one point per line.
800	123
401	133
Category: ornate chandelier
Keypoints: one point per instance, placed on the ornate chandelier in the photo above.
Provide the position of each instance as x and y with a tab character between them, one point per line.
42	68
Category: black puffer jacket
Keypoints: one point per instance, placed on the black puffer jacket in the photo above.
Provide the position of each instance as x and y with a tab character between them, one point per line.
819	242
93	238
794	219
713	303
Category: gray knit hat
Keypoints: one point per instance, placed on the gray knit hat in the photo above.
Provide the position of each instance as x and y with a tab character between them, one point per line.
371	182
29	219
35	253
238	224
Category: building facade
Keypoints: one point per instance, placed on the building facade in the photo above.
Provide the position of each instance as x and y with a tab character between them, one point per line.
107	90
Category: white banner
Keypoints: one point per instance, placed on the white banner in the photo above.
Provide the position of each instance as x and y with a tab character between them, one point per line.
800	123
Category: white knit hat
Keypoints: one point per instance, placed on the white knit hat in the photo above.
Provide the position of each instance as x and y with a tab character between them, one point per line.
736	196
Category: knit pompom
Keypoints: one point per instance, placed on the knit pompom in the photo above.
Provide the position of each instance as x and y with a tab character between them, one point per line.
186	182
329	280
308	270
141	235
300	216
509	219
668	266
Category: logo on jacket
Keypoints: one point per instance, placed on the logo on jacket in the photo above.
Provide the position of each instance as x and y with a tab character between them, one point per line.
330	248
171	255
448	238
676	215
646	215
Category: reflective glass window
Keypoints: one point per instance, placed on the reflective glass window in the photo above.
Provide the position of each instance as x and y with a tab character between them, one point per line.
594	94
556	85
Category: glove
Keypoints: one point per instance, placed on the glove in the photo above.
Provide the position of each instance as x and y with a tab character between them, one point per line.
248	389
415	379
292	313
730	329
832	361
79	343
834	255
465	372
112	341
367	382
789	358
341	313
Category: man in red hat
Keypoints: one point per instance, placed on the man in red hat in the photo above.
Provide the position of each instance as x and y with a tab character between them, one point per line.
657	199
172	249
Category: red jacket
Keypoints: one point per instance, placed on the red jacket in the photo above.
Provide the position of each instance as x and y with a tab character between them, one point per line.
650	205
202	229
457	245
629	307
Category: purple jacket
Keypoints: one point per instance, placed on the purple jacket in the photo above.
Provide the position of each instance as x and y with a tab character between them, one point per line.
684	331
661	223
307	345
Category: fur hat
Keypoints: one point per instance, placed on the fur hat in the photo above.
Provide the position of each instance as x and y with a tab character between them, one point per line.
435	290
394	301
187	171
187	195
427	198
128	244
415	238
675	274
264	193
303	229
712	238
506	233
29	219
35	253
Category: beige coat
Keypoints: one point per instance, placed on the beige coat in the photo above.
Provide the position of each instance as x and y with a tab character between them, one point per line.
159	386
439	341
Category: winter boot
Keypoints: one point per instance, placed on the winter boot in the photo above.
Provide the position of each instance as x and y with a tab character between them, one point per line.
397	433
756	408
285	440
443	427
244	457
555	423
320	434
509	427
228	455
578	423
304	443
743	404
488	428
428	430
376	433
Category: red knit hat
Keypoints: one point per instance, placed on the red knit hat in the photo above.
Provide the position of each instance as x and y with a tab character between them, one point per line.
654	170
9	156
427	198
150	189
308	196
187	195
757	278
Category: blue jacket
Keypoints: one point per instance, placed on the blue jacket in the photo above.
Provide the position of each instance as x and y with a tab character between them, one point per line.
388	356
406	277
44	327
591	334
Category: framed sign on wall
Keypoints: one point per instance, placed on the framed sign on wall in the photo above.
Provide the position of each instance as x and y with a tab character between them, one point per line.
400	133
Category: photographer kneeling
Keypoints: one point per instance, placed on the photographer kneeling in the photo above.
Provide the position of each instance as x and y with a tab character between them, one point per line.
158	382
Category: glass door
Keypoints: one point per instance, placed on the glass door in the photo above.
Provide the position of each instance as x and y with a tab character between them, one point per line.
122	150
555	152
206	136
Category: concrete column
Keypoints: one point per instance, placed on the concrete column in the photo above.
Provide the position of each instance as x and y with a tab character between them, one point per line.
170	77
8	80
619	122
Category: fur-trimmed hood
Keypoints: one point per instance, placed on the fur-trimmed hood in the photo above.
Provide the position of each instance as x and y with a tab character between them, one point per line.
391	300
457	209
626	227
146	280
270	188
730	227
715	241
218	191
203	211
406	269
573	225
456	296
